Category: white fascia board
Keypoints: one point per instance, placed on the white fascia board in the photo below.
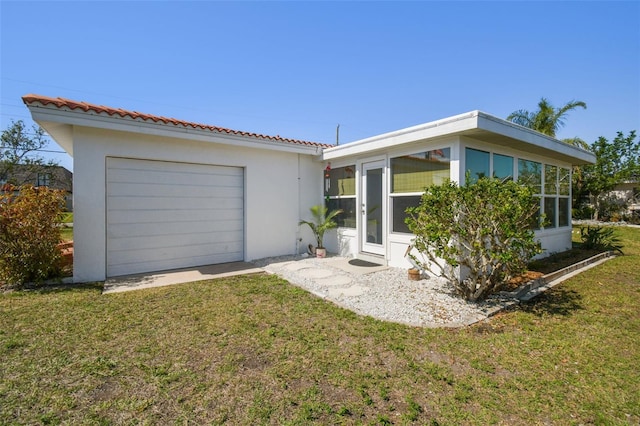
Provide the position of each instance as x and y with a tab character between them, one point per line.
470	123
447	126
93	120
511	130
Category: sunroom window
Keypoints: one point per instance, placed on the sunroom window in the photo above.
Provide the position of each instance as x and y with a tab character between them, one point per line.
410	175
340	193
530	174
477	164
552	186
502	167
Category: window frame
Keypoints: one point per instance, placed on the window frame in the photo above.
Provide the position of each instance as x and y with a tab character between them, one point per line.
43	179
338	197
396	195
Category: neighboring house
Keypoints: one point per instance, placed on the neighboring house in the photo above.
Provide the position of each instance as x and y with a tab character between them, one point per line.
54	177
154	193
628	195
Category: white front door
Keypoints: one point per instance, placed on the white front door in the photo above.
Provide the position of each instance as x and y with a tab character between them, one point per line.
372	227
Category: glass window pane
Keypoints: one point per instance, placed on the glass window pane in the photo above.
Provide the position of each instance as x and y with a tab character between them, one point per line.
476	163
400	205
564	181
341	181
502	166
530	173
564	212
413	173
550	212
374	202
346	219
550	179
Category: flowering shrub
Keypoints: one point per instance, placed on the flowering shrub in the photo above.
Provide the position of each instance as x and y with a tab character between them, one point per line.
477	236
29	234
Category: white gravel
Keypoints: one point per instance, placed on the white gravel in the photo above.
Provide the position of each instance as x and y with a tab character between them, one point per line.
386	294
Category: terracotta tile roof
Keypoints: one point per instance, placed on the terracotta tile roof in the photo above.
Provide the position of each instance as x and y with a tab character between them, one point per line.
100	109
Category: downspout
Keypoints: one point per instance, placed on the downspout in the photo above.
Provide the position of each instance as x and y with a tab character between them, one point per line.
298	238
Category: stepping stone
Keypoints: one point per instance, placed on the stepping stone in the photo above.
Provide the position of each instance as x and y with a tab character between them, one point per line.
296	266
353	291
315	273
337	280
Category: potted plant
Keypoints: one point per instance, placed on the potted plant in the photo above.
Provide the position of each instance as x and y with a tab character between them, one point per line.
322	221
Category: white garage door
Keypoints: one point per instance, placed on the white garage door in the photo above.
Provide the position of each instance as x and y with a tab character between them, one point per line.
164	215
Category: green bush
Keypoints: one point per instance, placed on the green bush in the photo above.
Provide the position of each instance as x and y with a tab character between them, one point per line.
600	238
477	236
29	235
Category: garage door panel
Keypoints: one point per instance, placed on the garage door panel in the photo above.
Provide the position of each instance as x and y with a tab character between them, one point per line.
153	235
172	263
123	164
178	204
174	257
169	216
171	229
176	252
163	215
197	193
185	243
224	176
174	203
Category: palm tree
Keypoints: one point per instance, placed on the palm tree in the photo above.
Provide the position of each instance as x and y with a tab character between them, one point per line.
546	119
322	221
576	141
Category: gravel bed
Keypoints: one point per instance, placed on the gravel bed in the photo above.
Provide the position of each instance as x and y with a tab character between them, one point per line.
388	295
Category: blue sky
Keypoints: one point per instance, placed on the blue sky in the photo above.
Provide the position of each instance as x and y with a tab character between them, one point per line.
298	69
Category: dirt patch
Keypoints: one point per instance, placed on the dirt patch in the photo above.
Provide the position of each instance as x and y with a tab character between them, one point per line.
522	279
552	263
557	261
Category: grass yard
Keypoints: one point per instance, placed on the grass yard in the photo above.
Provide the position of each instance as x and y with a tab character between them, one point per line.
257	350
66	233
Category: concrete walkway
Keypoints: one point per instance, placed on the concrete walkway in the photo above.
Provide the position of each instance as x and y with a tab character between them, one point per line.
178	276
329	273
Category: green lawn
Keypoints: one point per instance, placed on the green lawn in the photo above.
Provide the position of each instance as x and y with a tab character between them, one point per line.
66	233
256	350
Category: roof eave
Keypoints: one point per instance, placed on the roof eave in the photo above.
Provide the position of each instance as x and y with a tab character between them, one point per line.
475	124
59	121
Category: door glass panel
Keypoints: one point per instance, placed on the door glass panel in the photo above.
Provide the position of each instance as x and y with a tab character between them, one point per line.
374	206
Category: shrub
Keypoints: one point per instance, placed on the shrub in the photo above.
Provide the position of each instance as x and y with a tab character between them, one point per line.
29	235
600	238
476	236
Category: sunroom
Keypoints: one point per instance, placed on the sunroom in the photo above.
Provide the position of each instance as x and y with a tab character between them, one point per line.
374	180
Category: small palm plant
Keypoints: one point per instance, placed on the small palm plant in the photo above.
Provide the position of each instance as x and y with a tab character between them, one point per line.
322	221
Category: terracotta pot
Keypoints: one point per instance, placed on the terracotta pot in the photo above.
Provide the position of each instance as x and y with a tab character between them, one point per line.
321	252
414	274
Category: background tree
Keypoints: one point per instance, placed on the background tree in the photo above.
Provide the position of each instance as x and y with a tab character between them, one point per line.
546	119
616	162
29	235
20	146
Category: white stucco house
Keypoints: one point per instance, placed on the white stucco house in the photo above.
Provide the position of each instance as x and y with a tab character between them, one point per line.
154	193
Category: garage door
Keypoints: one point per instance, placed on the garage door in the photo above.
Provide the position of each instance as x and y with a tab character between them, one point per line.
165	215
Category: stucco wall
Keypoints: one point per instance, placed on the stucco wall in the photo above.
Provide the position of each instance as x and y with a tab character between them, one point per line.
279	187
